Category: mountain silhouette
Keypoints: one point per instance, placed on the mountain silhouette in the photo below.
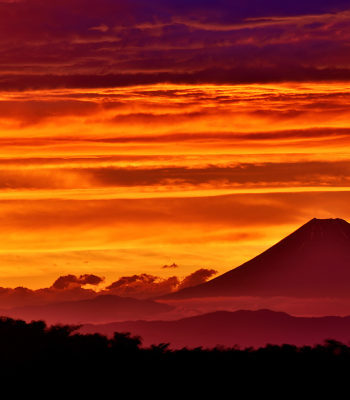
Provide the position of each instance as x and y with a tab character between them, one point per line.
313	261
244	328
104	308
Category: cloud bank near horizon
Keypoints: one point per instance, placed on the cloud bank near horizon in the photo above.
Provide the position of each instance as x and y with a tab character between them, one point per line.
74	288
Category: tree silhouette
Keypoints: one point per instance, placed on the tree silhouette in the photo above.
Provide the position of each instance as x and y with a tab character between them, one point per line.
34	349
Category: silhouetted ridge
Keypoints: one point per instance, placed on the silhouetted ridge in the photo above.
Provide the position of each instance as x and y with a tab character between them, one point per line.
225	328
313	261
60	358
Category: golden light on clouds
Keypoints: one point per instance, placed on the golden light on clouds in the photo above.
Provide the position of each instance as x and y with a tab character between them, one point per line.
121	180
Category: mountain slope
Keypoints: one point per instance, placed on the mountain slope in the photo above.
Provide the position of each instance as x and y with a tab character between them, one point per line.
314	261
243	328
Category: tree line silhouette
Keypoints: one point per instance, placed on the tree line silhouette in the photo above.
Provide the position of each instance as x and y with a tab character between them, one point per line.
35	349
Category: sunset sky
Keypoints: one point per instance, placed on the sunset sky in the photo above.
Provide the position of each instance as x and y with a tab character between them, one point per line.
138	134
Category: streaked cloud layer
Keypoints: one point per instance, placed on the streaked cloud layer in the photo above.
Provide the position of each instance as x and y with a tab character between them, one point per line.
103	43
140	134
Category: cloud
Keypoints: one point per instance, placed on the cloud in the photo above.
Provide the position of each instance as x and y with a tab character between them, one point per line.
70	288
173	265
265	174
238	75
240	210
240	175
145	285
197	278
113	43
227	137
34	111
69	281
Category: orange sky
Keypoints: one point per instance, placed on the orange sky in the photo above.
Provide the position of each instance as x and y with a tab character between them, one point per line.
136	134
124	180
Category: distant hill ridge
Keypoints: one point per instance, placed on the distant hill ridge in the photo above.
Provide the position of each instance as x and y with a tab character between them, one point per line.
103	308
244	328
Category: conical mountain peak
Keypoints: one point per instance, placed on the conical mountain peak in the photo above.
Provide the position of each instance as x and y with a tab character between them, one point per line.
313	261
334	230
327	221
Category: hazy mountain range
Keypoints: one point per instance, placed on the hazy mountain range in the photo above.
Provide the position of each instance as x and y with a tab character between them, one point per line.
243	328
100	309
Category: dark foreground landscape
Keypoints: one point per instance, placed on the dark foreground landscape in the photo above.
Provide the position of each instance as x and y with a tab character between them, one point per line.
35	351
